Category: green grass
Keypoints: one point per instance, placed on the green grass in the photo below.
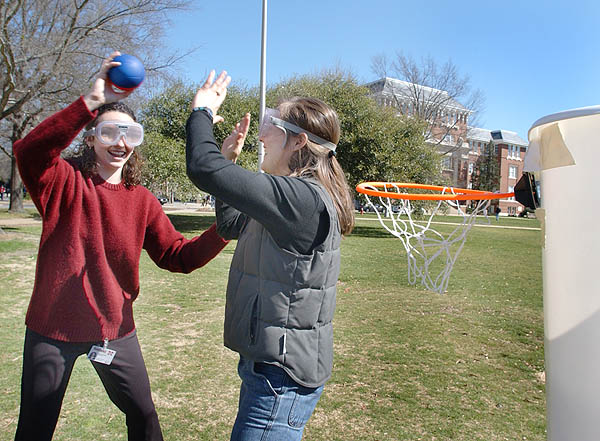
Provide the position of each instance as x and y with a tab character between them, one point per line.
409	364
28	213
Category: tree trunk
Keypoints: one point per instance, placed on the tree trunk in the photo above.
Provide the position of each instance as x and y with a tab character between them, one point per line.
16	188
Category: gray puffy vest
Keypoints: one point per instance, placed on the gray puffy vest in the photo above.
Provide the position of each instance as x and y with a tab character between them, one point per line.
280	305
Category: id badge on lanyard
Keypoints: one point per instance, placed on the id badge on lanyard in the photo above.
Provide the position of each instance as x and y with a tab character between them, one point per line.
101	354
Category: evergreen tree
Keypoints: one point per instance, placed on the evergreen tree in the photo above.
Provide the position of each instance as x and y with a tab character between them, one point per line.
486	173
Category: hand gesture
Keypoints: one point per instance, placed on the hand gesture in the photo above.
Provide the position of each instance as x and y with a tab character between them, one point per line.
232	145
102	91
212	93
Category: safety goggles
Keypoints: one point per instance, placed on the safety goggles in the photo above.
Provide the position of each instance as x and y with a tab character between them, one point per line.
271	118
110	132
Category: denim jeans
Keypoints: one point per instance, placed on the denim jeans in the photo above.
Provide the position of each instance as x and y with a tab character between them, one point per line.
272	406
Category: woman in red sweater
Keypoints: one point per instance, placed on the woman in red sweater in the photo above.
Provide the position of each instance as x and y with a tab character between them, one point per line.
96	220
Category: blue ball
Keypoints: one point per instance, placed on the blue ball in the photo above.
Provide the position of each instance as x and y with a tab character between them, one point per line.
129	74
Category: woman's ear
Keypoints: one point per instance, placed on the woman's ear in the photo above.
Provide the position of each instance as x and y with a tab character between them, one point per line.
300	141
89	140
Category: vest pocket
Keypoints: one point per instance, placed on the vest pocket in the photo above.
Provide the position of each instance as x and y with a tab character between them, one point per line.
241	330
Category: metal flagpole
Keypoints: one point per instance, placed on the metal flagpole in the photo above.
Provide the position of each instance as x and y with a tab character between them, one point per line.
263	69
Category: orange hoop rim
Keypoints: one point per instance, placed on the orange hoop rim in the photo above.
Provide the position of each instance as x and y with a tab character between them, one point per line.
455	194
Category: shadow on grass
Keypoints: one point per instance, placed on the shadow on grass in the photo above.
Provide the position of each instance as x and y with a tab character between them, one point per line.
185	223
370	232
8	229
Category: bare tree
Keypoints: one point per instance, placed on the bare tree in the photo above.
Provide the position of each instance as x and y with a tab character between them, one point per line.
435	93
51	49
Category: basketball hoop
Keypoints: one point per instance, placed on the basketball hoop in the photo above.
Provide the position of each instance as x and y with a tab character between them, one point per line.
431	256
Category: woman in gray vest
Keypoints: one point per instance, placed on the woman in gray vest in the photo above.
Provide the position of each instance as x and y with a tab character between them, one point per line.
282	282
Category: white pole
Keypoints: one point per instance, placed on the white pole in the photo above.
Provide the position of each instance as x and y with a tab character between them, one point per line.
263	69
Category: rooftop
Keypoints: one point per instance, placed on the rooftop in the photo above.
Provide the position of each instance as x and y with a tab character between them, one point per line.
394	87
501	136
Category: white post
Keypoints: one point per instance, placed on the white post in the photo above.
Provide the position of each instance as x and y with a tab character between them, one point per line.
263	73
563	153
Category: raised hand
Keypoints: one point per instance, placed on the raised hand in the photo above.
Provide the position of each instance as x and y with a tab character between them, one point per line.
102	91
232	145
212	93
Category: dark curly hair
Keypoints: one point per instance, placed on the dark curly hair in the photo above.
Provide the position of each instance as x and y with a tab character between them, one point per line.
84	156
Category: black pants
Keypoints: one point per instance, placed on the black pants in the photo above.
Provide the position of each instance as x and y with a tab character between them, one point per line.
47	367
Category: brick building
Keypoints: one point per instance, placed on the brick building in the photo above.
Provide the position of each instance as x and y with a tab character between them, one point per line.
511	150
459	144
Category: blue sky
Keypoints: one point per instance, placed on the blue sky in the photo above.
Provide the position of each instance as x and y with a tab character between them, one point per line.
530	58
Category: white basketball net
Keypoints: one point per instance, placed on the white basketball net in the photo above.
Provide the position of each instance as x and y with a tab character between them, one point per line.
425	246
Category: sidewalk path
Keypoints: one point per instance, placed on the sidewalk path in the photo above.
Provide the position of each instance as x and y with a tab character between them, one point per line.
13	222
176	208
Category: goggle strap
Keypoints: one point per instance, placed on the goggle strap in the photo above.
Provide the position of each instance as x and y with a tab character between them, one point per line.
294	128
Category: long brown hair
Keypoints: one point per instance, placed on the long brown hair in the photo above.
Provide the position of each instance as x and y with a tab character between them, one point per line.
84	156
316	161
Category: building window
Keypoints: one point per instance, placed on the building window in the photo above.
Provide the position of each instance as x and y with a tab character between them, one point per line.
512	171
446	163
471	166
510	190
514	151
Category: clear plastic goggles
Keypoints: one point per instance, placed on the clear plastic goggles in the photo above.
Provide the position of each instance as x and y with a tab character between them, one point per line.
110	132
271	118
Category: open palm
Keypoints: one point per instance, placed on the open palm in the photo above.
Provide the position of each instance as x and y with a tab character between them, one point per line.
232	145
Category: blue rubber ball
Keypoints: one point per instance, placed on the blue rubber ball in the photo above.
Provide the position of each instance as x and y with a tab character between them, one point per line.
129	74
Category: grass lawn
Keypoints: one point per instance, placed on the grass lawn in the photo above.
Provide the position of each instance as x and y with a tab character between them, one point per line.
409	364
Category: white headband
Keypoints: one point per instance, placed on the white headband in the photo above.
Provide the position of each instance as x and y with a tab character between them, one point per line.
294	128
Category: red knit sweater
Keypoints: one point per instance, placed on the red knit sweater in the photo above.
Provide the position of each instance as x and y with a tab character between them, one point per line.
93	233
